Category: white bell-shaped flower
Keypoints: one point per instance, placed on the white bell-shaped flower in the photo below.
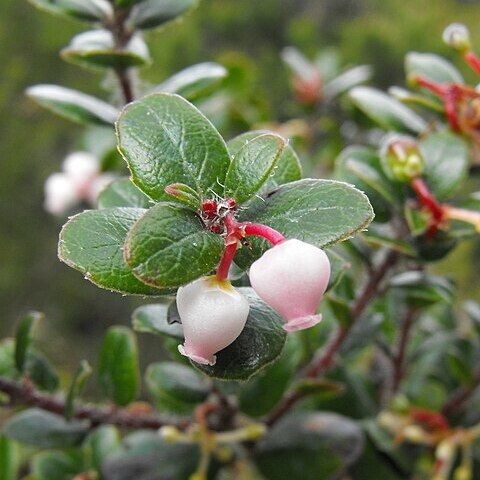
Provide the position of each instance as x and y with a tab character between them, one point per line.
292	277
213	315
60	194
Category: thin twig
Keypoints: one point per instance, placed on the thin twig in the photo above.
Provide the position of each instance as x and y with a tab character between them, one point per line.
323	362
461	396
25	394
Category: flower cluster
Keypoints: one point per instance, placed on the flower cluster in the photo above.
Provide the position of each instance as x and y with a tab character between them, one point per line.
80	180
291	277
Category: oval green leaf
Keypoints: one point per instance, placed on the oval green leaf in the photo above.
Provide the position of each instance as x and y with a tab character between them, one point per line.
84	10
166	140
433	67
154	319
169	246
73	105
118	371
123	193
155	13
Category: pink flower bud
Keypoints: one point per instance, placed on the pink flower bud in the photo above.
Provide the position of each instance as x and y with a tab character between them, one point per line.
213	315
60	194
292	277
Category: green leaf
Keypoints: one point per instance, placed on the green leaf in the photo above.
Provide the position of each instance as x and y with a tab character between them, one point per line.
310	446
118	371
174	387
97	49
126	3
433	67
154	319
194	81
92	242
24	337
9	459
101	443
387	112
320	212
78	384
85	10
422	289
123	193
44	429
57	465
446	158
155	13
169	246
287	169
41	372
7	358
347	80
361	167
252	165
260	343
166	140
73	105
185	195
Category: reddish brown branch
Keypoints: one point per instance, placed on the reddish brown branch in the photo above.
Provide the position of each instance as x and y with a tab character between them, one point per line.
24	394
461	396
323	362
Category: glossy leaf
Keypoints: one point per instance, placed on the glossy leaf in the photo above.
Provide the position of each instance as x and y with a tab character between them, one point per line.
311	446
320	212
24	337
194	81
166	140
387	112
433	67
97	49
118	370
169	246
44	429
154	319
92	243
252	165
73	105
85	10
287	169
260	343
123	193
57	465
155	13
446	159
175	387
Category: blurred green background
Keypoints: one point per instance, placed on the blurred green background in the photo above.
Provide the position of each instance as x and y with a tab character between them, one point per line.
33	142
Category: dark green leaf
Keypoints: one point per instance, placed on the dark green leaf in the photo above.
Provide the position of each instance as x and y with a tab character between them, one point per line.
320	212
194	81
260	343
154	13
174	387
387	112
24	337
92	243
118	371
446	159
78	383
166	140
102	443
287	169
169	246
310	446
154	319
252	165
127	3
86	10
57	465
41	372
123	193
433	67
44	429
7	358
73	105
9	459
361	167
97	49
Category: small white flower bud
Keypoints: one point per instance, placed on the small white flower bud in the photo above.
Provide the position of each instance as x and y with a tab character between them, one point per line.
213	315
60	194
457	36
292	277
81	166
